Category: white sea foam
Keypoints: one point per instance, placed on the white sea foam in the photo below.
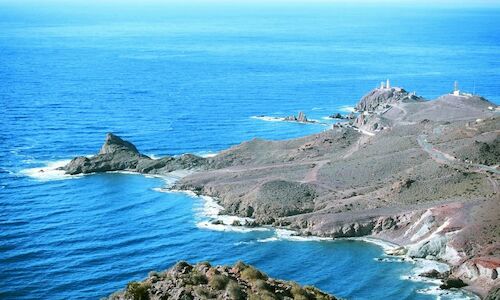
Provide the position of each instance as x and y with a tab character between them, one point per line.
346	108
269	119
452	294
385	245
207	154
425	265
290	235
210	218
49	171
228	228
244	243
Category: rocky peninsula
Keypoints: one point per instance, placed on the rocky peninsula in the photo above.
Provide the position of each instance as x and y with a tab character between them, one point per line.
203	281
421	174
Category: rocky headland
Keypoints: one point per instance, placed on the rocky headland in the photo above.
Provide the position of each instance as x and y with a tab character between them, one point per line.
421	174
203	281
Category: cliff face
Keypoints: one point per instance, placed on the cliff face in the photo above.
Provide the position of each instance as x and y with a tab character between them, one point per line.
203	281
427	179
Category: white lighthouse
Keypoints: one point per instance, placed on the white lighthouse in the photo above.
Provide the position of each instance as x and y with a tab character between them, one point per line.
388	84
456	91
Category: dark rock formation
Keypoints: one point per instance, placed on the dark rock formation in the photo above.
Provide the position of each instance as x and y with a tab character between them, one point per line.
452	282
301	118
350	116
118	155
115	144
434	274
203	281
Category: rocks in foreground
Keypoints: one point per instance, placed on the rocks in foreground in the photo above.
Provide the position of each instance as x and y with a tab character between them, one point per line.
203	281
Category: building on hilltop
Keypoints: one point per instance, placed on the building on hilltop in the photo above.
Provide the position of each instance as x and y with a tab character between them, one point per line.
385	85
456	90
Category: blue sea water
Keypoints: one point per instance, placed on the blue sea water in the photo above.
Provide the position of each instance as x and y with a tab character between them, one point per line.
189	79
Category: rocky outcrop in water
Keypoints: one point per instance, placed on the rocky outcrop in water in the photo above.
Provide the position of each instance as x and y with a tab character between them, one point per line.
119	155
203	281
301	118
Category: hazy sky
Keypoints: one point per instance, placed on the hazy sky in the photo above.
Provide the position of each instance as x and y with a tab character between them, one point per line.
450	3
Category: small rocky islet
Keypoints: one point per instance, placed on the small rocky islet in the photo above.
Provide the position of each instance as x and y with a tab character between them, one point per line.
421	174
202	281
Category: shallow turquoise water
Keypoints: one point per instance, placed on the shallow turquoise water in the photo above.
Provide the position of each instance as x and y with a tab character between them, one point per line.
179	82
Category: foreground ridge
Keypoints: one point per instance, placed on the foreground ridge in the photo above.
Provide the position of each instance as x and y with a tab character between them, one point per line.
203	281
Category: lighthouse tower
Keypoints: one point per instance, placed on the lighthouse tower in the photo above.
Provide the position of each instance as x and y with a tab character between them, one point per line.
388	84
456	91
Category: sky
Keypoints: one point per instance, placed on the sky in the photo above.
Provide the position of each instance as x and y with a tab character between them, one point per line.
450	3
109	10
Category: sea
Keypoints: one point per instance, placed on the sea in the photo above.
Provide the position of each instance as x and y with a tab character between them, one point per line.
197	78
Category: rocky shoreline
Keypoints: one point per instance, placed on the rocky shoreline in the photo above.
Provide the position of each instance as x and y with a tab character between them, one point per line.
421	174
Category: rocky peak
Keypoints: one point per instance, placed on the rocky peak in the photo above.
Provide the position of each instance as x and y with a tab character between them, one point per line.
380	97
114	144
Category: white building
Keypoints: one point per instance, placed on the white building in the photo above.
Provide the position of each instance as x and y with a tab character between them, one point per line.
456	91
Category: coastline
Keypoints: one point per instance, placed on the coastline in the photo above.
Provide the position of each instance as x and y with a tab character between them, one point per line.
211	212
421	265
374	179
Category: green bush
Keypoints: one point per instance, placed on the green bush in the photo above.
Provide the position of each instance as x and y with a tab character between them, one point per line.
203	292
260	284
218	282
234	291
197	278
204	263
262	295
240	265
137	290
250	274
299	293
318	295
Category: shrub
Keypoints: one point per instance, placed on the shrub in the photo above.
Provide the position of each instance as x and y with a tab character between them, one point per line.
218	282
203	292
262	295
318	295
299	293
197	278
137	290
204	263
240	265
260	284
157	274
182	266
250	273
234	291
